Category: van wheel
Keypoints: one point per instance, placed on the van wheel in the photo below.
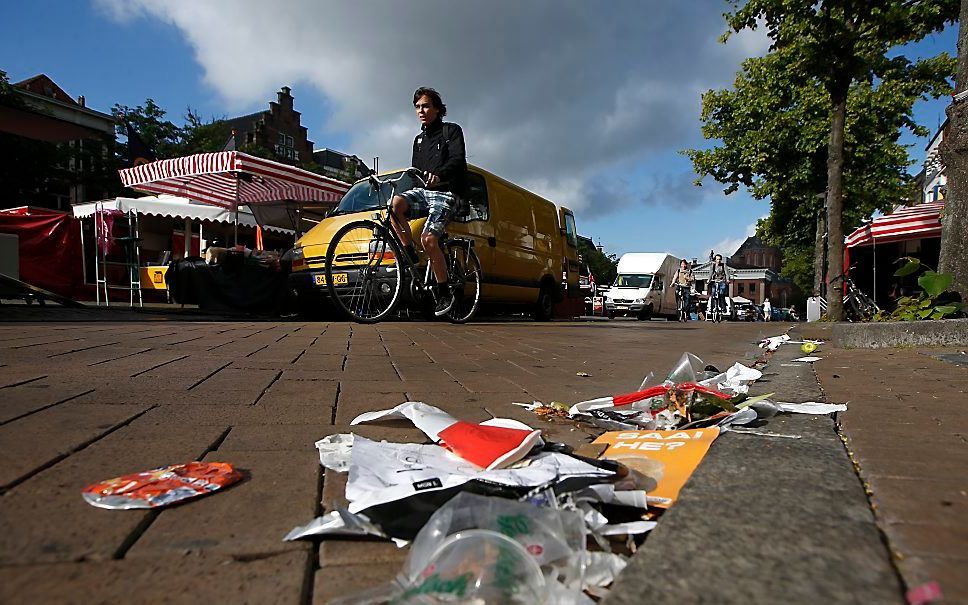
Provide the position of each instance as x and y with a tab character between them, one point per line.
646	314
544	309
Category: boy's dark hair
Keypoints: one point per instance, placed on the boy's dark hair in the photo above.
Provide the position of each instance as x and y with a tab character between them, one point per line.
434	98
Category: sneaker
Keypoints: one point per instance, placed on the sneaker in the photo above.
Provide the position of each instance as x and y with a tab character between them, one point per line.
445	301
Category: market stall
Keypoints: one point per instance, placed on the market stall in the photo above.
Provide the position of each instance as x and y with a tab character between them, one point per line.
228	181
231	179
46	248
874	247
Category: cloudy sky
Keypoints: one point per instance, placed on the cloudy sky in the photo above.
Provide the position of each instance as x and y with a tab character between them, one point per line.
587	103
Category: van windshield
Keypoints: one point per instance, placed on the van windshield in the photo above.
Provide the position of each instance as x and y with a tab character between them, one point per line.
633	280
362	196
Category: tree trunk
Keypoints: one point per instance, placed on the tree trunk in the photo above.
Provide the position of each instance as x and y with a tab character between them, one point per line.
954	152
819	254
835	206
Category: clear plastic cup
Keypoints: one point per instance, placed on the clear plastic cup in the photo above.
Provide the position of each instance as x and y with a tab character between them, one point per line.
478	566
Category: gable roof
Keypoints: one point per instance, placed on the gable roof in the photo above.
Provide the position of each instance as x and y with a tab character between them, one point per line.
41	84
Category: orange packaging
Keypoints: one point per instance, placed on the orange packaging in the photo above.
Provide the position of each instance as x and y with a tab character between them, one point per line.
667	457
161	486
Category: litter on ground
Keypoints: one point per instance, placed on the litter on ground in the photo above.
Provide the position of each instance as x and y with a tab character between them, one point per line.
493	512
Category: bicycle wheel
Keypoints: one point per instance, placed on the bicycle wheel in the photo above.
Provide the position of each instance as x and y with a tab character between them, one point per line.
464	270
363	271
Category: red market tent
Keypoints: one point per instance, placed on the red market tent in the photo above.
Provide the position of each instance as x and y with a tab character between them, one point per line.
905	224
230	179
913	222
50	248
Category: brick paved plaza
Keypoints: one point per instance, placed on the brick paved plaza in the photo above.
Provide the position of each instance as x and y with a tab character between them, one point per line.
84	401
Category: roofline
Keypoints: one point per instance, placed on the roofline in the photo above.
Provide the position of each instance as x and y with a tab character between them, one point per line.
74	107
936	134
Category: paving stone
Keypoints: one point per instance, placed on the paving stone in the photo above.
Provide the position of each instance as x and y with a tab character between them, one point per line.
63	428
345	581
46	519
948	573
185	580
147	394
24	399
299	440
336	553
250	518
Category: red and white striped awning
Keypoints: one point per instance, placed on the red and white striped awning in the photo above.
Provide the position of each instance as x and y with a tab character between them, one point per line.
229	177
912	222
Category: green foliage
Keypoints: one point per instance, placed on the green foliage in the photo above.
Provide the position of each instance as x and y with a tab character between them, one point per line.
772	128
603	266
165	138
7	95
933	302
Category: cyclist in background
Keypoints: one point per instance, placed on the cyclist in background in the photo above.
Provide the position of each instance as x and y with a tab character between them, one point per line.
683	281
719	284
438	152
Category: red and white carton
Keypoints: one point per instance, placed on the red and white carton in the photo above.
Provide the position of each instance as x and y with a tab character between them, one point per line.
494	443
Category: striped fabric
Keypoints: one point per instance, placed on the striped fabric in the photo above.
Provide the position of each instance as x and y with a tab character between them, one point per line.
912	222
228	177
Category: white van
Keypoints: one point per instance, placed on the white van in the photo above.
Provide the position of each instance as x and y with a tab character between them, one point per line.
641	288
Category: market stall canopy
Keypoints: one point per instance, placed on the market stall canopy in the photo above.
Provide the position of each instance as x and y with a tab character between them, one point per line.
231	178
914	222
173	207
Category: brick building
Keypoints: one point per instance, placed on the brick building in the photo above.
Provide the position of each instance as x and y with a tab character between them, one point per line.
277	129
336	164
755	271
67	143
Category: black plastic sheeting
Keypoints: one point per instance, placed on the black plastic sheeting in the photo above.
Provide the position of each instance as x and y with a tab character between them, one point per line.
235	285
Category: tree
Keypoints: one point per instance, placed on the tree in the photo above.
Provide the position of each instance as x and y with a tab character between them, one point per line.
162	136
838	49
602	266
954	150
773	131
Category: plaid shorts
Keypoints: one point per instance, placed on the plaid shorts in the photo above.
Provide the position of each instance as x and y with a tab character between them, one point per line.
437	206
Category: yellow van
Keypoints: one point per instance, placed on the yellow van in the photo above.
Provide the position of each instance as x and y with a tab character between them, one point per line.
527	246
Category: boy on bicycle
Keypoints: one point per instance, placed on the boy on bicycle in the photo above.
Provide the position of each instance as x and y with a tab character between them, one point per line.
683	281
438	152
718	284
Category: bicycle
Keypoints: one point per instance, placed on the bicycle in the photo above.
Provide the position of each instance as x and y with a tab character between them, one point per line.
717	301
683	300
857	305
367	272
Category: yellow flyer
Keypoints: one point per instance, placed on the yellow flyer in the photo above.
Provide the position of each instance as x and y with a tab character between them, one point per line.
667	457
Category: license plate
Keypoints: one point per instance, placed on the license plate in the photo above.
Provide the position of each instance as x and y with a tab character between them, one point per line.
623	307
338	278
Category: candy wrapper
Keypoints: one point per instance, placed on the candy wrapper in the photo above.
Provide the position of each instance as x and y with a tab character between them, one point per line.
161	486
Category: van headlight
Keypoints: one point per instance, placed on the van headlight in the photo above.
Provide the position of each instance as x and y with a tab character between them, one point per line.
639	300
295	256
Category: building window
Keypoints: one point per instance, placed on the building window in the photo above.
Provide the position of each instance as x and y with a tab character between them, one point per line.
282	139
739	288
752	288
289	141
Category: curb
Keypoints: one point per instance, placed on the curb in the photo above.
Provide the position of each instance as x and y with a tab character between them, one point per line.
878	335
768	519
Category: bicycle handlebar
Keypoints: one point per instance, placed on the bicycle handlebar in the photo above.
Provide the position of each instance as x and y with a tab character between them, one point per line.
376	181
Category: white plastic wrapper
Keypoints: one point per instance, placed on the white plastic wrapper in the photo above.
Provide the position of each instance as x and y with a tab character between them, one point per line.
335	451
383	472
